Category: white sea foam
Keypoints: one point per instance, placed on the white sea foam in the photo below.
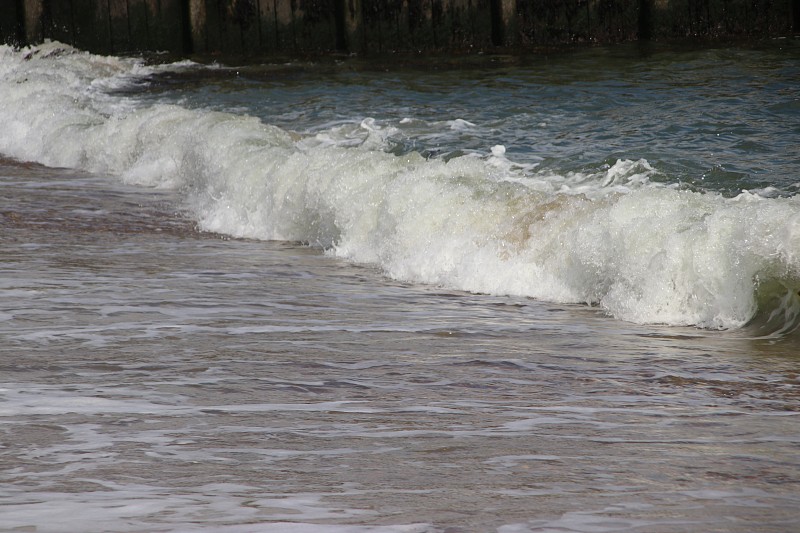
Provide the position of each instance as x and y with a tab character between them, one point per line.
643	251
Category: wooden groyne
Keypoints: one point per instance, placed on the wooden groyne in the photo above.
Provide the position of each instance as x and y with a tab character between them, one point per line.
265	27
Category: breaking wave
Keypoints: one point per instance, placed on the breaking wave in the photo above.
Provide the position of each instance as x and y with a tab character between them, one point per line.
643	251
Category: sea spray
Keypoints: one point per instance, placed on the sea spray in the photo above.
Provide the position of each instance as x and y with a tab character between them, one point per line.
645	251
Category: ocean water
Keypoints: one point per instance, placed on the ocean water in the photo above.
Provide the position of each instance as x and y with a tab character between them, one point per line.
512	294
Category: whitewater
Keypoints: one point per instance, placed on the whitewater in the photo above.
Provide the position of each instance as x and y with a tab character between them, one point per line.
625	236
512	294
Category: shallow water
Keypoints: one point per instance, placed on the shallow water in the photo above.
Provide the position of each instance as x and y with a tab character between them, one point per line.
156	377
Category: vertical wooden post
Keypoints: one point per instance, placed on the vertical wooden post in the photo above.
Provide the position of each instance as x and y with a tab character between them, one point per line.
92	30
138	24
155	25
57	22
232	21
197	23
285	31
268	31
352	17
34	32
504	22
173	26
420	25
118	22
247	16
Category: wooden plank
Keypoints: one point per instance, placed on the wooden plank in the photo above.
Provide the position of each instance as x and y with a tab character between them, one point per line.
34	28
138	25
379	26
92	27
613	21
542	22
373	16
478	17
197	26
102	26
213	25
505	30
58	23
250	27
155	31
173	26
230	33
351	15
285	31
267	32
395	26
468	24
420	25
315	25
239	24
118	25
389	26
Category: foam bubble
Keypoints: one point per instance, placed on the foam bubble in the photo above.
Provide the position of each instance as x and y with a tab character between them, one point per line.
642	251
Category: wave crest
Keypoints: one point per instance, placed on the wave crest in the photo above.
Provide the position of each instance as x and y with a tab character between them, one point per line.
643	252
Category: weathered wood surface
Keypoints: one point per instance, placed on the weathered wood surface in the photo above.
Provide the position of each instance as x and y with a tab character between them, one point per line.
264	27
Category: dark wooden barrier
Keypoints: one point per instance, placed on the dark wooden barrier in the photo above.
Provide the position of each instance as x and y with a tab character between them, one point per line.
303	27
